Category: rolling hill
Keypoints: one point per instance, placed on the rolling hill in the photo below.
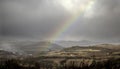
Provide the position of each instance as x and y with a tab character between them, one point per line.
30	47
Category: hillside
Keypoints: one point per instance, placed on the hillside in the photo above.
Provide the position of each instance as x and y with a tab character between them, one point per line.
37	47
30	47
78	48
89	51
6	54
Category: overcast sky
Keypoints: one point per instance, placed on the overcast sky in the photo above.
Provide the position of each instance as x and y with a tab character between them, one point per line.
39	19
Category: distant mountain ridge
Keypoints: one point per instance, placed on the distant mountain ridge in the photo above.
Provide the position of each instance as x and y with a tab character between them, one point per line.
76	43
109	46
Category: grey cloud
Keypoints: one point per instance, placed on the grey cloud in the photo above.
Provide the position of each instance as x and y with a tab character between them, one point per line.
40	18
26	20
104	24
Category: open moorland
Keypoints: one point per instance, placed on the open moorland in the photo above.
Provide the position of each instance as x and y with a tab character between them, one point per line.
103	56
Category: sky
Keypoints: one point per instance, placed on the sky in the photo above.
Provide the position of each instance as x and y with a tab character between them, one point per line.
39	19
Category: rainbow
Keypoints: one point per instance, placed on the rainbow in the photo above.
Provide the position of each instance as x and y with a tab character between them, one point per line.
70	21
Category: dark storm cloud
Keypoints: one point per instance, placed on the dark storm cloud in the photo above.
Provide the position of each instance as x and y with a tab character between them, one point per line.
0	20
39	18
0	26
31	18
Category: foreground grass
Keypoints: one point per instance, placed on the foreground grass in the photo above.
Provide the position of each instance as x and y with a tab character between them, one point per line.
23	64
